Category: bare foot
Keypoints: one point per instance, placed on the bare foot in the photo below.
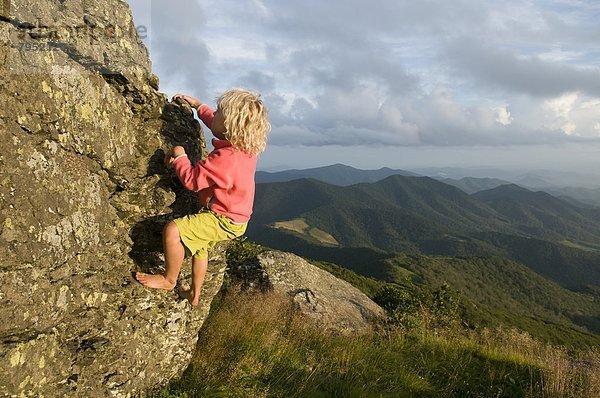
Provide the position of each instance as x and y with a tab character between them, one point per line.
188	295
154	281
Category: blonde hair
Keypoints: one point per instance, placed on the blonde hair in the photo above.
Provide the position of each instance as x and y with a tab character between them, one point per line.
246	120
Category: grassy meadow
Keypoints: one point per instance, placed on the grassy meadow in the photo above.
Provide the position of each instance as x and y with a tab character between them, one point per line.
257	345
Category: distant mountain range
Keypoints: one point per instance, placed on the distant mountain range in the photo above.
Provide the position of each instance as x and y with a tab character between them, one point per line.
368	227
578	196
540	214
558	184
472	184
420	214
337	174
534	179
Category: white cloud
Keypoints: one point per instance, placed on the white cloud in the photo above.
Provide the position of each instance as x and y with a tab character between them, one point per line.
573	114
493	68
503	116
558	55
260	5
395	73
235	50
563	105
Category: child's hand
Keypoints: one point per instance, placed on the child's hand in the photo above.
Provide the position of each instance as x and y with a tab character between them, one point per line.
168	157
178	150
194	103
171	154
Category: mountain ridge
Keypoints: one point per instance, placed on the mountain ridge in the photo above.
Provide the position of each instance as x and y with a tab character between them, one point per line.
542	214
473	184
336	174
582	187
425	215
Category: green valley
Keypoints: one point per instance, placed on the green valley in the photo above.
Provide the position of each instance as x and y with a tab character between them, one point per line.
516	257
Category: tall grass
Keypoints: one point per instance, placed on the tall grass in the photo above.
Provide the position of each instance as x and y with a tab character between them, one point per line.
257	345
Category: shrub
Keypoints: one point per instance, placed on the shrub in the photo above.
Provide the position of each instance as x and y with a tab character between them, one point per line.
409	307
403	306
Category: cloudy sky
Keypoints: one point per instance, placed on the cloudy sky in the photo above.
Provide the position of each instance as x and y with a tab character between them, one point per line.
395	83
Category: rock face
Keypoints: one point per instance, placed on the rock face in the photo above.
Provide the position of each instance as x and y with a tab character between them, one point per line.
335	304
83	199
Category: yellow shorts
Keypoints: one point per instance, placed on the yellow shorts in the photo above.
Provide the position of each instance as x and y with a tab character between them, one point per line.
200	232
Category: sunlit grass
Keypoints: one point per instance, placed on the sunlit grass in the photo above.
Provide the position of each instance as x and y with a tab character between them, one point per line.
300	226
256	345
582	246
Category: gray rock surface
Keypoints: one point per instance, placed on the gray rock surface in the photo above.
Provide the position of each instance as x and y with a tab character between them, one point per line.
83	199
333	303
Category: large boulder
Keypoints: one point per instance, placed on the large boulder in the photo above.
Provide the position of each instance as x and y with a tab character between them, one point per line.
332	303
83	199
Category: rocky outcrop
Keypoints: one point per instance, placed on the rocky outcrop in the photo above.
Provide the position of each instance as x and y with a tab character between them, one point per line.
83	199
333	303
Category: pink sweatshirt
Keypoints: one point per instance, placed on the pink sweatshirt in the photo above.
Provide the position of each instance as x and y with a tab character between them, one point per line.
225	180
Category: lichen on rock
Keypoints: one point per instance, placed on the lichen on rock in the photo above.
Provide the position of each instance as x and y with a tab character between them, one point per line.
83	199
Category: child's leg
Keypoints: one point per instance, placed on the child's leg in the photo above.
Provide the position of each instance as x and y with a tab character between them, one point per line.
174	255
199	266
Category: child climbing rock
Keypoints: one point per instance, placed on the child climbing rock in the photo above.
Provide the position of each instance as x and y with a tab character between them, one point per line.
224	182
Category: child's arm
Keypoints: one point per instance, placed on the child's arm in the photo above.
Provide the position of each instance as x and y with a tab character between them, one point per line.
212	171
174	153
206	115
204	112
194	103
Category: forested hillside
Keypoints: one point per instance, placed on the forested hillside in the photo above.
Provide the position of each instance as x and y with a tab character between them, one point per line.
525	258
